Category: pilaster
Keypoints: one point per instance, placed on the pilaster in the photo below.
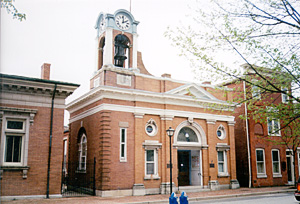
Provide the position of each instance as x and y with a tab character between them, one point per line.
212	172
232	150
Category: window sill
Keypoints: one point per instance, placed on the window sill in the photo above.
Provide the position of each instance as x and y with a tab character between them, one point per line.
223	175
262	176
80	171
277	176
15	168
154	177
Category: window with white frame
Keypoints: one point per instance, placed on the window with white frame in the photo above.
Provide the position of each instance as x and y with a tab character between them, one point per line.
273	127
82	152
151	162
151	158
276	162
260	163
285	97
256	92
15	138
222	163
123	144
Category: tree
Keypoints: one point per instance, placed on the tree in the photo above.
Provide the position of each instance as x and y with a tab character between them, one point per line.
265	33
11	9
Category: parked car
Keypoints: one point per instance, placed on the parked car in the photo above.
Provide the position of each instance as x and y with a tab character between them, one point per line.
297	193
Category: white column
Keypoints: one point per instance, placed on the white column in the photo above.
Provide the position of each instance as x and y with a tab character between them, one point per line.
134	50
108	53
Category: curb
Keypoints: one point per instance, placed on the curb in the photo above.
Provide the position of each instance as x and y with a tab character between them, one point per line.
218	197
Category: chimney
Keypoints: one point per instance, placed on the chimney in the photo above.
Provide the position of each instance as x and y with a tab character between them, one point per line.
45	71
166	75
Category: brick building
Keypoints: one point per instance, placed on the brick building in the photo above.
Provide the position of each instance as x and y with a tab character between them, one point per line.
122	121
262	162
26	122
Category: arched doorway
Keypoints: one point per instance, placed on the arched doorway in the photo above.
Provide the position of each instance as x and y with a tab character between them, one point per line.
189	140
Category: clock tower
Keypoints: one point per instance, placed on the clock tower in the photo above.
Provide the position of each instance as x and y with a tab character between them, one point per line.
117	40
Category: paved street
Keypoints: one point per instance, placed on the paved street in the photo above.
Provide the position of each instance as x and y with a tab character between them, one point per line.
284	198
281	194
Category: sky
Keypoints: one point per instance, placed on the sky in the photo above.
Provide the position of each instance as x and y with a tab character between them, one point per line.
62	33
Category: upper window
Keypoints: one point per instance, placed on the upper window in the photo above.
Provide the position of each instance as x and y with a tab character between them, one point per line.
285	97
123	144
273	127
256	92
82	152
222	163
186	134
221	134
276	162
260	163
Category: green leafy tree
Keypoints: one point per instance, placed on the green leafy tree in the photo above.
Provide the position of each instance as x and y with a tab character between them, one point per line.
11	9
265	33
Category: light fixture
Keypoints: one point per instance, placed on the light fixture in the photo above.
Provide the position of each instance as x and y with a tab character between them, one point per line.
170	133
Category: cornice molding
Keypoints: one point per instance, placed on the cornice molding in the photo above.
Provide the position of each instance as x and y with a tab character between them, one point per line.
138	111
146	96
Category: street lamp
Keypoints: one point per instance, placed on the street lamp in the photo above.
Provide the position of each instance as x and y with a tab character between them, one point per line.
170	133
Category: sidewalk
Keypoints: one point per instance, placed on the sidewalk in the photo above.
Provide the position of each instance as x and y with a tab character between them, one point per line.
158	199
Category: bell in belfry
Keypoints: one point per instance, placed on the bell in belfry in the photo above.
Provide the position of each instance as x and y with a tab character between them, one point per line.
121	45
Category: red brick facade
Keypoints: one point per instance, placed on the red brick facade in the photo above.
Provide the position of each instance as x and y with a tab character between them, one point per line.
256	140
124	118
31	105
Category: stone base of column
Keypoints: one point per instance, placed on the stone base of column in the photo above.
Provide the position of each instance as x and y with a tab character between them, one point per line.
214	185
234	184
138	189
165	188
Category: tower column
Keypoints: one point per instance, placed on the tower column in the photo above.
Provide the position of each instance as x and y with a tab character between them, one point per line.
108	54
134	51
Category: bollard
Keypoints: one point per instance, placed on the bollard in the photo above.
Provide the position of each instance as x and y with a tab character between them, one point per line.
183	198
173	199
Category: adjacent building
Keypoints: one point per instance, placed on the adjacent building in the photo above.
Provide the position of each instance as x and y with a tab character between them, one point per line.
31	145
262	158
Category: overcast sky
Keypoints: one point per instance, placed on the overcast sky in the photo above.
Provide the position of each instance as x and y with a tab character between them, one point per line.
62	33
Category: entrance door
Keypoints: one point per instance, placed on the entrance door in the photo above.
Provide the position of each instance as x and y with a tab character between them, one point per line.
290	168
184	168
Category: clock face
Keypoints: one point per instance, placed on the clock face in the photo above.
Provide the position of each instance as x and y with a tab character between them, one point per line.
122	22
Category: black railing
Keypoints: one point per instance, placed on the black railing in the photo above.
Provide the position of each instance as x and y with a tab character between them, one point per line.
78	182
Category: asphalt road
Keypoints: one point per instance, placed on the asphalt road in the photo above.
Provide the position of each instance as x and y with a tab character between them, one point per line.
280	198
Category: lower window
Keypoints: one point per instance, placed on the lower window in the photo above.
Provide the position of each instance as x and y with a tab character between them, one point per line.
222	163
276	163
260	163
151	163
13	150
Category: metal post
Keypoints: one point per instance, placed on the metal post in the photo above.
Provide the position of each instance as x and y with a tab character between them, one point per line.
170	166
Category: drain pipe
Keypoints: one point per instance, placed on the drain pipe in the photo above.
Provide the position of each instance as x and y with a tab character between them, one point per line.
247	133
50	140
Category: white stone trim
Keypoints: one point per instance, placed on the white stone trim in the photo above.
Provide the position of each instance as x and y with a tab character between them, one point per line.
146	96
138	111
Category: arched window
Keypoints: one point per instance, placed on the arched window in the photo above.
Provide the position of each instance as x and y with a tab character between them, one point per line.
121	50
186	134
82	152
101	53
